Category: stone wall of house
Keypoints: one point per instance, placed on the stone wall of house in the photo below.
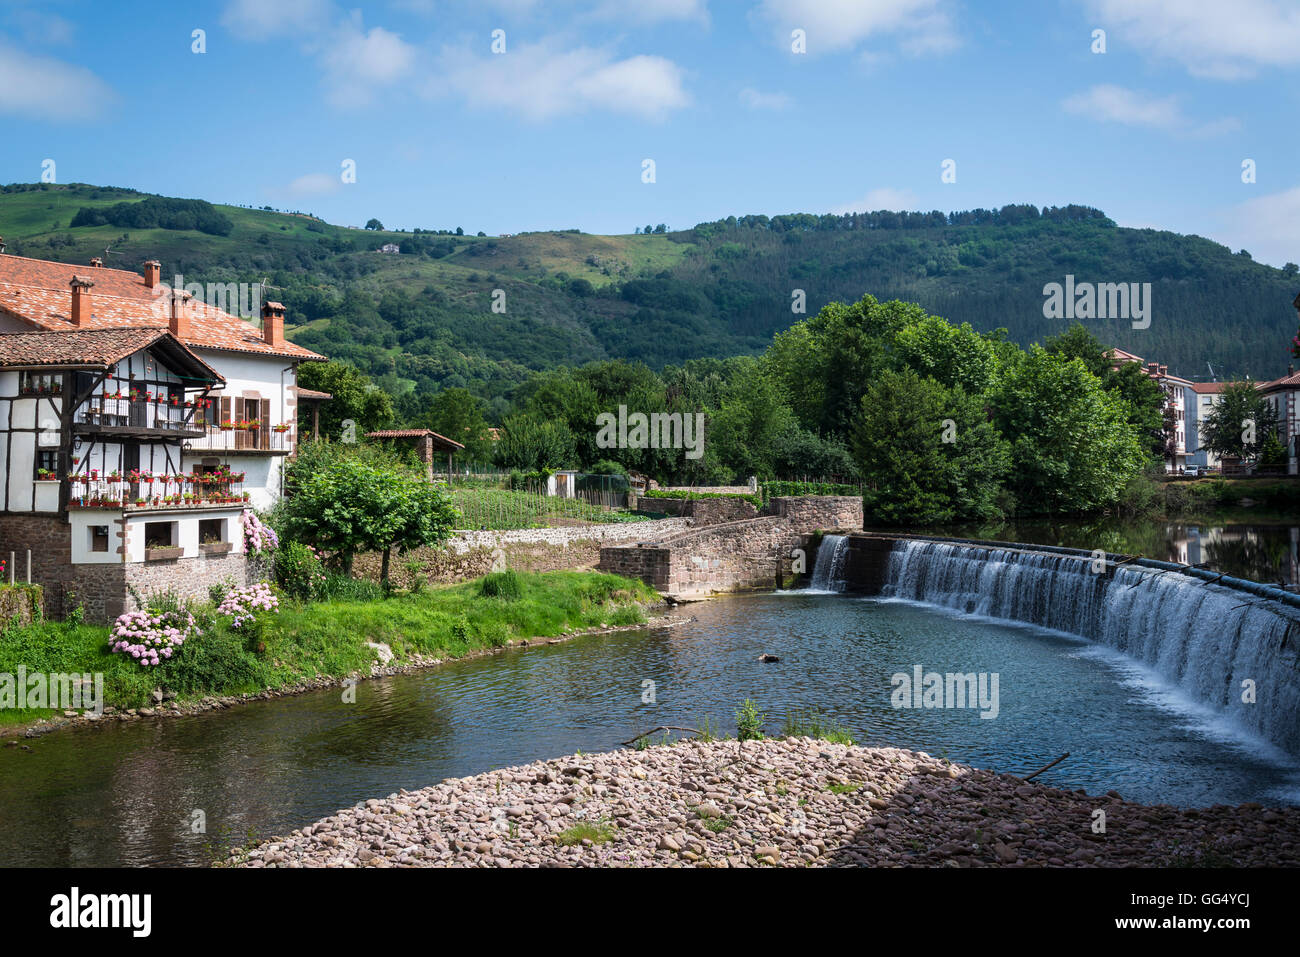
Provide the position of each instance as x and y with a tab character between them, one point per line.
190	578
103	591
734	556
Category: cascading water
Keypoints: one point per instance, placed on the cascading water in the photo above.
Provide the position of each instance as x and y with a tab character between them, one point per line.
828	572
1213	642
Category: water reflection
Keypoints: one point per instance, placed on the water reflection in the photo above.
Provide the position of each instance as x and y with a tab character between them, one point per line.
1262	553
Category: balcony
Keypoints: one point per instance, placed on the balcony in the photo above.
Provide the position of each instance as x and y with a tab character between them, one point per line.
143	490
261	440
140	416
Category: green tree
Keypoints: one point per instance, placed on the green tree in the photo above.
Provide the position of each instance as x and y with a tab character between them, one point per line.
351	505
534	444
458	414
1073	449
353	398
1240	423
927	454
374	224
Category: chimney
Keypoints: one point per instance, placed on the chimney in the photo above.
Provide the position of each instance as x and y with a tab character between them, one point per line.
273	324
179	324
80	300
97	263
152	273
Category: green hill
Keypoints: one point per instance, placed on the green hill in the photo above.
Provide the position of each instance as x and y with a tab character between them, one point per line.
423	318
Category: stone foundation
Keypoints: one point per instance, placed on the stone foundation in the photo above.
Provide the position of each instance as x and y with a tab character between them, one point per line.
104	591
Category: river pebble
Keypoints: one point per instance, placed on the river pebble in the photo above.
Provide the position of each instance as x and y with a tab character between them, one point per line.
796	802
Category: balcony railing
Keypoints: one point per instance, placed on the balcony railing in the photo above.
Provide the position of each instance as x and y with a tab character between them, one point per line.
94	490
140	413
263	438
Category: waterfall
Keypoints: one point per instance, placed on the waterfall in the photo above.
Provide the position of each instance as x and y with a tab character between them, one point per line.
828	573
1208	640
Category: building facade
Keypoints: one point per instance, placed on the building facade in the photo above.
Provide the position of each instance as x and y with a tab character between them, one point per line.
139	425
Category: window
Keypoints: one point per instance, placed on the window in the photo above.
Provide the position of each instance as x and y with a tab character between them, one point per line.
212	531
99	538
159	534
47	465
40	383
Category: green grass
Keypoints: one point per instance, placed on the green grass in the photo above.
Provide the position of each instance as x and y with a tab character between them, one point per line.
329	638
814	724
600	833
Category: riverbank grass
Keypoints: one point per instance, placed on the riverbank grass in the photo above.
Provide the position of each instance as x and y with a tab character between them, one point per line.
330	638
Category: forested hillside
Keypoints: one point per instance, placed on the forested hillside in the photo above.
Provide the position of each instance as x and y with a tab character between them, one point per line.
422	320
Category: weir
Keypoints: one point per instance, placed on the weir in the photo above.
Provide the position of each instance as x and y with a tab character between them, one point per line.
1221	642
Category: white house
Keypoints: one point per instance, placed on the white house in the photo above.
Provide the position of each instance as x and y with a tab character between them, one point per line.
138	426
1175	389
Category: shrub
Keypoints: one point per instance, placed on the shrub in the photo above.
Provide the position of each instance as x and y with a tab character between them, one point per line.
218	664
299	571
749	721
258	537
243	604
151	637
504	585
337	587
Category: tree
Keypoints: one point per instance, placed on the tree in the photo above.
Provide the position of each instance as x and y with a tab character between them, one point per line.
1073	449
374	224
1240	423
354	398
351	505
1149	407
534	444
458	414
927	454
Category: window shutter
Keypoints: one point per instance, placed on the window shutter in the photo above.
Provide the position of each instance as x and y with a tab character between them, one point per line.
265	431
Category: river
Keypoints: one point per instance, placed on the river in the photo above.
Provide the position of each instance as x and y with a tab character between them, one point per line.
130	793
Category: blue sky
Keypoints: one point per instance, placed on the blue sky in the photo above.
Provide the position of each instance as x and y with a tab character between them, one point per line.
552	133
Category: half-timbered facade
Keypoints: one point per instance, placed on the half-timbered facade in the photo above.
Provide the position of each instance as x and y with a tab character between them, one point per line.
136	426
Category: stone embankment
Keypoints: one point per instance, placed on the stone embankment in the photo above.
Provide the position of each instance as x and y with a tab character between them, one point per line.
794	802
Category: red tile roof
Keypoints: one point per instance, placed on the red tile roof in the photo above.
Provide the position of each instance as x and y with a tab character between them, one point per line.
313	394
412	434
37	292
93	348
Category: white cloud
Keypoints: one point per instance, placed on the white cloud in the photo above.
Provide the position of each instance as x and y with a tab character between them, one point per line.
756	100
919	26
652	11
1210	38
1264	226
539	81
46	88
358	61
314	184
1109	103
895	200
261	19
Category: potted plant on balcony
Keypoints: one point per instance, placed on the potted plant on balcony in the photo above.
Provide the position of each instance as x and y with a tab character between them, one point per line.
227	425
280	428
46	475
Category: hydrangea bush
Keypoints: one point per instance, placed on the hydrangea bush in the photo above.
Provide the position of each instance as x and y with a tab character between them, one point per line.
241	605
151	638
258	537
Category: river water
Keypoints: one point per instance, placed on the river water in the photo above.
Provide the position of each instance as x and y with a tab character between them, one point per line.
130	793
